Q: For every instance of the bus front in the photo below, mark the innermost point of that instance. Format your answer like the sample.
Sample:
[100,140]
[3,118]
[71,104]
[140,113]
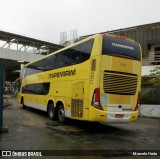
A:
[120,80]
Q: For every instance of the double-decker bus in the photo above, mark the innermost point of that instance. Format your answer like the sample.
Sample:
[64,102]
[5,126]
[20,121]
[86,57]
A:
[96,79]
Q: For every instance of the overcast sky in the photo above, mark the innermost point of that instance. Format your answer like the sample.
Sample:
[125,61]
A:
[45,19]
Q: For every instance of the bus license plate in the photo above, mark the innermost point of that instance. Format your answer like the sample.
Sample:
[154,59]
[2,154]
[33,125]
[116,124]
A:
[119,115]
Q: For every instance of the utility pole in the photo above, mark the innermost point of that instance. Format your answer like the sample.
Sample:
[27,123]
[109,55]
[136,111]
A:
[2,129]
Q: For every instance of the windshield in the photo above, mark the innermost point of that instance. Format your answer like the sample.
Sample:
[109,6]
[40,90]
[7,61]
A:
[121,47]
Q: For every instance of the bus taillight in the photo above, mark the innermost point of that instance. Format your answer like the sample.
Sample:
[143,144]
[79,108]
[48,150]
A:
[138,102]
[121,37]
[96,99]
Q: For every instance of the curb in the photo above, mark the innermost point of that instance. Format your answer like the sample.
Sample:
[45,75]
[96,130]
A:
[7,105]
[6,100]
[154,117]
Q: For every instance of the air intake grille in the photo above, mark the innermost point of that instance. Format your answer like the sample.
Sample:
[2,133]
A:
[77,108]
[119,83]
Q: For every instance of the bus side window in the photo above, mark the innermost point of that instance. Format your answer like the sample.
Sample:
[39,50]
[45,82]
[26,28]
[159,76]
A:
[51,62]
[59,62]
[73,55]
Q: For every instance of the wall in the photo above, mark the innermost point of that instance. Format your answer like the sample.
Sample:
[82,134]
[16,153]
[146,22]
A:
[150,110]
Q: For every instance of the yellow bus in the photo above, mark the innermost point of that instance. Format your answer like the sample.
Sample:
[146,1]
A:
[96,79]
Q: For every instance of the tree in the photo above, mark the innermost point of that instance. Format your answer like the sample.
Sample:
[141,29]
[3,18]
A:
[150,93]
[153,78]
[155,75]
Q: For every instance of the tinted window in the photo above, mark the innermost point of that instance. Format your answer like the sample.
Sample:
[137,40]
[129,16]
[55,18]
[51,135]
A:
[74,55]
[36,88]
[31,70]
[68,57]
[120,47]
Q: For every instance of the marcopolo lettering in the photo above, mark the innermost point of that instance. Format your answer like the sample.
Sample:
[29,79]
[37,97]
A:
[62,74]
[123,46]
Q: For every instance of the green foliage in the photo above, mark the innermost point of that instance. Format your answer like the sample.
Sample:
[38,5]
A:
[153,78]
[155,72]
[146,80]
[149,96]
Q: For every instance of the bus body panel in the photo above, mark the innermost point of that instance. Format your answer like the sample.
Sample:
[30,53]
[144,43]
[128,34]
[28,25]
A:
[74,86]
[121,74]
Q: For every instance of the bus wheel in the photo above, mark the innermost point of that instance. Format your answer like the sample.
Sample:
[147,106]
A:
[23,105]
[61,114]
[51,111]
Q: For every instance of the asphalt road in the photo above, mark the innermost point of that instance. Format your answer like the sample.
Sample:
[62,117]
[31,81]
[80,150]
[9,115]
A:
[32,130]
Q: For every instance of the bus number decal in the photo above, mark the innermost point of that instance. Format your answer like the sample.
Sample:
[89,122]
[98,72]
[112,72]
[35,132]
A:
[92,77]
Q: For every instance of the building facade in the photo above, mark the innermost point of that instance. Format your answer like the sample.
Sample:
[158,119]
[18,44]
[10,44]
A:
[148,36]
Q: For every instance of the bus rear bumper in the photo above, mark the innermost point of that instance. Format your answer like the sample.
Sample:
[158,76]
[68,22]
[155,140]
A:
[122,117]
[114,117]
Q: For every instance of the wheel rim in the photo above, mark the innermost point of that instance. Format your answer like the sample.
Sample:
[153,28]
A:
[51,113]
[61,114]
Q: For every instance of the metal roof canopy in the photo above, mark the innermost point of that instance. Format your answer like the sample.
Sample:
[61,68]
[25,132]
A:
[154,25]
[12,44]
[146,35]
[39,46]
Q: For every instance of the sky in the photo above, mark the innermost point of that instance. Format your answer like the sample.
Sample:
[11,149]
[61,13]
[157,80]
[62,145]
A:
[45,19]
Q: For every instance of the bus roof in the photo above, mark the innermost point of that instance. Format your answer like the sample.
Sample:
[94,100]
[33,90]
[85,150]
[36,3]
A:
[79,42]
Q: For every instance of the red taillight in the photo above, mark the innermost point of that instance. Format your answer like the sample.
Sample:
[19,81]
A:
[138,102]
[122,37]
[96,102]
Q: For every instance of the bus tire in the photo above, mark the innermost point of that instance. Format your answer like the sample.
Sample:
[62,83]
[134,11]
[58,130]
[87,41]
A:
[23,105]
[51,111]
[61,114]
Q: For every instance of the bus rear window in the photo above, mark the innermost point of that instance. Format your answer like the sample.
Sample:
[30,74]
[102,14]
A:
[121,47]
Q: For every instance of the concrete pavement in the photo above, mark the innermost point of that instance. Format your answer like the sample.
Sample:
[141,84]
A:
[32,130]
